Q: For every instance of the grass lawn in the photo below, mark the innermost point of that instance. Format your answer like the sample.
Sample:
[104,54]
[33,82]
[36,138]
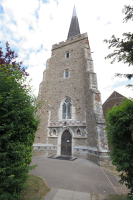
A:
[113,170]
[36,189]
[116,197]
[122,192]
[109,197]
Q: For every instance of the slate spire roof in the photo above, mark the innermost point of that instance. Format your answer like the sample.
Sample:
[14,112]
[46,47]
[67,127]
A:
[74,26]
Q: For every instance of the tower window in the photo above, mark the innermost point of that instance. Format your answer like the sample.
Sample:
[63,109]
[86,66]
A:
[66,73]
[67,55]
[64,111]
[67,110]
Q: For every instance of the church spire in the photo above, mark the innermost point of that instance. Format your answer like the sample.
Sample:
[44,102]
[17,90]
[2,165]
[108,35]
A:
[74,26]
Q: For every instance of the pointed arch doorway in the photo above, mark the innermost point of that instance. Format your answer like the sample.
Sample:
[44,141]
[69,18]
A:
[66,143]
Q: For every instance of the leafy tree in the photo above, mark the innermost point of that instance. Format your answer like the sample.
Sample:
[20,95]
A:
[18,125]
[119,119]
[123,47]
[9,58]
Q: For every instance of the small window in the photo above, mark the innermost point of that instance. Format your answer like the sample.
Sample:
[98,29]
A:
[66,73]
[67,55]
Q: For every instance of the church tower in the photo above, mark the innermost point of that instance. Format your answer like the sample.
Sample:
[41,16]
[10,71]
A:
[72,121]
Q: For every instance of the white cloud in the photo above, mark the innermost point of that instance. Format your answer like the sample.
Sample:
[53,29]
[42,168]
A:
[36,76]
[100,19]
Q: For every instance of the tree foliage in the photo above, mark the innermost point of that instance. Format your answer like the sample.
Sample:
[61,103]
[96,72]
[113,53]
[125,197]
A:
[9,58]
[119,119]
[123,47]
[128,10]
[18,125]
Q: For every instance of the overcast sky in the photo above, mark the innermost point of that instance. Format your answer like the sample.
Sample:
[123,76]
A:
[32,26]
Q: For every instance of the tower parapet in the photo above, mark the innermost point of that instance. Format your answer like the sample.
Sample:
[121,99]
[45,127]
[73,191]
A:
[70,41]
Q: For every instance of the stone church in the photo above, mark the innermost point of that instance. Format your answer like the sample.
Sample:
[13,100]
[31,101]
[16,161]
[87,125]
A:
[72,121]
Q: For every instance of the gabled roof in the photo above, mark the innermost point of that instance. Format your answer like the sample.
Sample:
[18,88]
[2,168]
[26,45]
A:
[113,96]
[74,26]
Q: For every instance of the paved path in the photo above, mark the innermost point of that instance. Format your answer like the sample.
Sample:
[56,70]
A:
[79,175]
[60,194]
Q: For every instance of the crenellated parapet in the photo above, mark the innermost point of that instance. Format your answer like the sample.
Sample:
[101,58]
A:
[69,41]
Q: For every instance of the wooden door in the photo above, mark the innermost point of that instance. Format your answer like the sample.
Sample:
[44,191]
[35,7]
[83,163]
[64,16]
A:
[66,141]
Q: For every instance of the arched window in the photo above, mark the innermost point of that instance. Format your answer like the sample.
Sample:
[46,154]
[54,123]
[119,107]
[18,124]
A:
[67,109]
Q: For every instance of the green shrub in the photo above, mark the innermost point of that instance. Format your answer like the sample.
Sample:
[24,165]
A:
[18,125]
[119,119]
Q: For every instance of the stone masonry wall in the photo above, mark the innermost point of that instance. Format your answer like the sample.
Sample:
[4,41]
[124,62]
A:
[54,87]
[81,88]
[94,114]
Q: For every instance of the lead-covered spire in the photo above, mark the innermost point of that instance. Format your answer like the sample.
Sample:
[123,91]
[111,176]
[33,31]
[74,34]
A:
[74,12]
[74,26]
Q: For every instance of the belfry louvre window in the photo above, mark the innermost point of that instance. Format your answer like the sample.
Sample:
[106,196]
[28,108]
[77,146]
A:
[67,110]
[67,55]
